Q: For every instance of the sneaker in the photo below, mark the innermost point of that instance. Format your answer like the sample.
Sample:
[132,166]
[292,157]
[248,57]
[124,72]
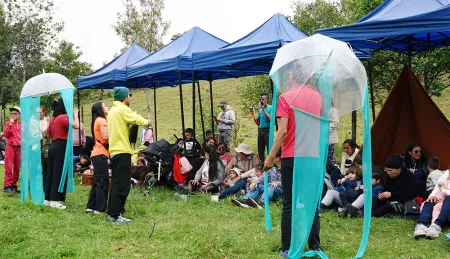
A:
[47,203]
[342,213]
[240,203]
[254,204]
[57,205]
[89,210]
[316,249]
[420,231]
[8,189]
[434,231]
[97,212]
[2,162]
[118,219]
[353,212]
[215,198]
[15,189]
[179,197]
[283,254]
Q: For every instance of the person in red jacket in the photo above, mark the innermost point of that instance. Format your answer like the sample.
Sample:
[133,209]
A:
[12,153]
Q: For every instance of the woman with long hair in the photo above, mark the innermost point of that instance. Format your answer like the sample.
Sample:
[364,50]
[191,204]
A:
[98,197]
[58,130]
[210,176]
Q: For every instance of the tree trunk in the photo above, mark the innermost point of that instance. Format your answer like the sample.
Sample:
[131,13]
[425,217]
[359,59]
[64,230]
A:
[147,95]
[100,95]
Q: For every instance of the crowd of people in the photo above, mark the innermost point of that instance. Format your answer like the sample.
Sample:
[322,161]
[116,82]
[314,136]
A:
[411,185]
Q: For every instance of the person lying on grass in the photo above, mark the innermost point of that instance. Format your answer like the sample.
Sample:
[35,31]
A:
[274,191]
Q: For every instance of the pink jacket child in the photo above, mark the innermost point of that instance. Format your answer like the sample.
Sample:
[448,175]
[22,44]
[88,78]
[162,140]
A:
[441,190]
[12,153]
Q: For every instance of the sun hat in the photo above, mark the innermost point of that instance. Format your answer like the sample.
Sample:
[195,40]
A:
[15,108]
[244,148]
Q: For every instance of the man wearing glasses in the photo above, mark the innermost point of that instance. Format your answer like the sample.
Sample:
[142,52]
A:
[400,187]
[12,154]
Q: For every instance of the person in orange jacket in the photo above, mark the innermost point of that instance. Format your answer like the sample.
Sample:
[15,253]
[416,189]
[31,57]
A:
[12,153]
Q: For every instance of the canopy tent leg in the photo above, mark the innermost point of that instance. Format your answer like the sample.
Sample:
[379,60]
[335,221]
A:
[271,89]
[212,104]
[372,98]
[154,110]
[193,104]
[354,125]
[201,110]
[79,130]
[182,109]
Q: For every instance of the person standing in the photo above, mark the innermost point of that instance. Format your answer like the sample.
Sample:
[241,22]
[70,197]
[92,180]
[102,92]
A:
[98,196]
[120,118]
[225,122]
[308,100]
[79,144]
[263,122]
[12,153]
[45,141]
[58,130]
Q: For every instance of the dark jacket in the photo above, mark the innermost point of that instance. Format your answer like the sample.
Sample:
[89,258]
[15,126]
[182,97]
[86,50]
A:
[192,148]
[376,190]
[403,188]
[349,194]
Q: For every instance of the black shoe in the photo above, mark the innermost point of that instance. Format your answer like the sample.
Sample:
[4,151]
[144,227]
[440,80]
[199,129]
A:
[342,213]
[16,190]
[254,204]
[8,189]
[240,203]
[315,248]
[354,212]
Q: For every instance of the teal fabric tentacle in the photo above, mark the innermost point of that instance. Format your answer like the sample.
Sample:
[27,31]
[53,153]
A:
[367,174]
[267,218]
[67,174]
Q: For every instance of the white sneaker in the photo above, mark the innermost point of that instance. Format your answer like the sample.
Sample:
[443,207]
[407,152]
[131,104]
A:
[46,203]
[57,205]
[98,212]
[215,198]
[89,210]
[179,197]
[420,231]
[2,162]
[434,231]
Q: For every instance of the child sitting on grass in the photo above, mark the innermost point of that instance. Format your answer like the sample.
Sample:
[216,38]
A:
[274,191]
[141,156]
[350,188]
[233,174]
[83,165]
[434,172]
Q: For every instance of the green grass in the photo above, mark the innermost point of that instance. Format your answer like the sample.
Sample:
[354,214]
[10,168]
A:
[196,228]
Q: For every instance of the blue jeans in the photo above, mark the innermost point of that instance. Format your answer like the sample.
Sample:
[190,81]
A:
[273,193]
[427,213]
[238,186]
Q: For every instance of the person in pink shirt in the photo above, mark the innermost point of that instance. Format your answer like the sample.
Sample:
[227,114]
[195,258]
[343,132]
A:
[12,153]
[224,155]
[300,97]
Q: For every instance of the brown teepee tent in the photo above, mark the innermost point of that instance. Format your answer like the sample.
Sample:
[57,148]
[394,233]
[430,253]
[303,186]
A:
[410,115]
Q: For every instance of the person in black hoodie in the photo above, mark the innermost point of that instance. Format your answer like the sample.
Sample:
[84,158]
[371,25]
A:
[399,188]
[416,162]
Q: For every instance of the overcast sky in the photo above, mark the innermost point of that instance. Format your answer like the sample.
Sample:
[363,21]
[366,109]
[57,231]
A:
[88,23]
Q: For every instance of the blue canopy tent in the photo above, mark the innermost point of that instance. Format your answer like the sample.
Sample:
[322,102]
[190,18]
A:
[172,64]
[406,26]
[251,55]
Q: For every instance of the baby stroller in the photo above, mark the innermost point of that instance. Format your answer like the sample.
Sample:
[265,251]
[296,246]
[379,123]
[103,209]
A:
[160,156]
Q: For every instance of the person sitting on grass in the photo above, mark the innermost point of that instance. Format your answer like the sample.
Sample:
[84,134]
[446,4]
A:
[84,164]
[229,181]
[354,209]
[428,215]
[141,156]
[350,188]
[209,177]
[433,173]
[399,187]
[274,191]
[224,154]
[210,137]
[140,162]
[241,182]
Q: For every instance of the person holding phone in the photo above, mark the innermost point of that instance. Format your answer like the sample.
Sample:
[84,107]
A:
[263,122]
[225,122]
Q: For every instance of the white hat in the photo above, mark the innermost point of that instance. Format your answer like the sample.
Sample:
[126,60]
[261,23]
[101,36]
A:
[15,108]
[236,170]
[244,148]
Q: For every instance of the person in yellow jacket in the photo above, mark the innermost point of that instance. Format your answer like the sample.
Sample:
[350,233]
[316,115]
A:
[120,118]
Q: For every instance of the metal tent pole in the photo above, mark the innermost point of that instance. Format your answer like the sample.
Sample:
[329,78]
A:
[212,104]
[79,130]
[372,98]
[154,110]
[201,110]
[182,109]
[193,104]
[354,125]
[273,93]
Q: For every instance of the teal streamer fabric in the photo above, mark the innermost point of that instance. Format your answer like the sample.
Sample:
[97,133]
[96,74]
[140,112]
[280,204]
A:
[267,218]
[367,174]
[67,173]
[30,164]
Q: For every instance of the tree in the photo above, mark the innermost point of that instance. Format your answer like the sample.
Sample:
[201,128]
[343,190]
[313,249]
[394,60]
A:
[143,25]
[65,61]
